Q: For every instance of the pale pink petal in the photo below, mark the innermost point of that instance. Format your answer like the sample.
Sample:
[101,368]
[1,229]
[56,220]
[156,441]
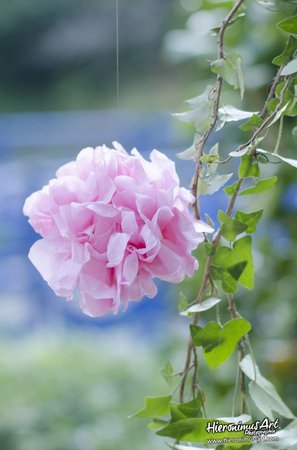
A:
[94,307]
[116,248]
[131,266]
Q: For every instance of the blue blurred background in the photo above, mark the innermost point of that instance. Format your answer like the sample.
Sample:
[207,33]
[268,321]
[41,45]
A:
[68,381]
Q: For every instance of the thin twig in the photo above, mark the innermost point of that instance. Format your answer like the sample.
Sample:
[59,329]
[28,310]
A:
[271,91]
[242,382]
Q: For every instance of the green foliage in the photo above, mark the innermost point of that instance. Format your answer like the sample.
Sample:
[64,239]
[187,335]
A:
[288,25]
[254,121]
[213,183]
[167,372]
[290,161]
[290,68]
[201,307]
[288,53]
[229,113]
[230,228]
[219,342]
[232,188]
[260,186]
[289,104]
[226,260]
[154,407]
[182,302]
[200,113]
[230,69]
[248,166]
[263,392]
[194,430]
[250,219]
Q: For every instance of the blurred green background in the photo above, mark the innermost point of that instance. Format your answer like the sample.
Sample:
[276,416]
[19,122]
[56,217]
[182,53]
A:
[68,382]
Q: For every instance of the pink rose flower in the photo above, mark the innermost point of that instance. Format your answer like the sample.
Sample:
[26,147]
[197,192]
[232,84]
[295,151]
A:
[110,223]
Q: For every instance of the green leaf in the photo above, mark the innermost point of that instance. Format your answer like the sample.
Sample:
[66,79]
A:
[287,6]
[250,219]
[288,52]
[290,68]
[261,186]
[190,154]
[236,270]
[294,134]
[230,228]
[229,113]
[229,284]
[232,188]
[263,392]
[289,104]
[241,252]
[167,372]
[200,116]
[190,409]
[213,183]
[230,69]
[182,302]
[219,342]
[248,166]
[201,307]
[154,407]
[290,161]
[194,430]
[254,121]
[156,424]
[289,25]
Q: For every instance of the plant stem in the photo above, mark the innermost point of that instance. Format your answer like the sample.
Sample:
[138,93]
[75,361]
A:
[279,135]
[234,314]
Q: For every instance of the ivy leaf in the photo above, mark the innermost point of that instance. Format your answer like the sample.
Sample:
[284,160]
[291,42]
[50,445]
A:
[229,113]
[289,25]
[190,409]
[254,121]
[261,186]
[250,219]
[200,115]
[289,99]
[278,115]
[232,188]
[290,68]
[182,302]
[195,430]
[292,162]
[190,154]
[219,342]
[248,167]
[278,5]
[229,284]
[154,407]
[167,372]
[213,183]
[201,307]
[230,228]
[225,258]
[230,69]
[288,52]
[156,424]
[263,392]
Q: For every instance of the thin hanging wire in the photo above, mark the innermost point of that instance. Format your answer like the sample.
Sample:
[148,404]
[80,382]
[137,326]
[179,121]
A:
[117,55]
